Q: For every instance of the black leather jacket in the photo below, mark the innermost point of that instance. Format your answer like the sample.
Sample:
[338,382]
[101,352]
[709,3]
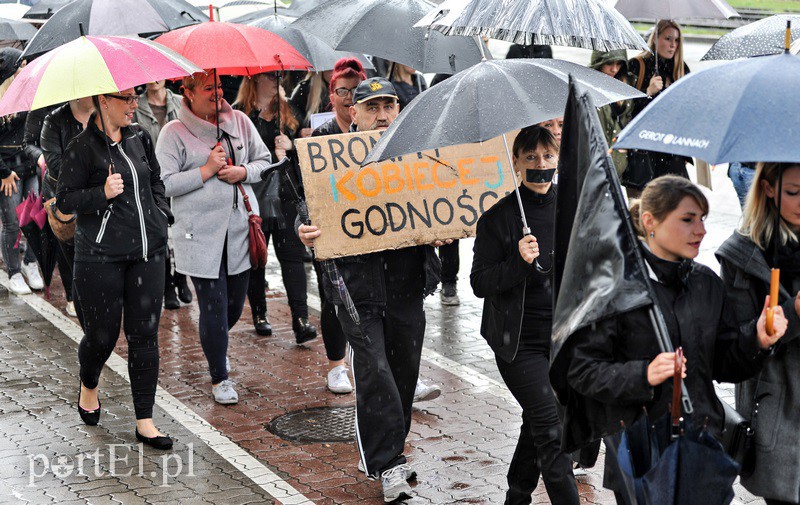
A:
[58,129]
[133,225]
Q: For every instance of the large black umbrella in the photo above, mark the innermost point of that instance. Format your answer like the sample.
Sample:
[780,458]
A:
[118,17]
[385,28]
[315,50]
[44,9]
[761,38]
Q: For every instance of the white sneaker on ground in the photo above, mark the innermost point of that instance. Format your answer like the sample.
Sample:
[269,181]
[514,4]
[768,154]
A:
[18,286]
[338,381]
[31,273]
[224,393]
[424,392]
[394,484]
[578,470]
[227,365]
[70,310]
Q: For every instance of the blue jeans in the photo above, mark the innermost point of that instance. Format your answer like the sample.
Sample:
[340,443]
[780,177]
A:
[742,178]
[8,215]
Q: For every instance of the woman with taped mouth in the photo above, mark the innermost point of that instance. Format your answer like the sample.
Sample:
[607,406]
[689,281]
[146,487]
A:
[517,315]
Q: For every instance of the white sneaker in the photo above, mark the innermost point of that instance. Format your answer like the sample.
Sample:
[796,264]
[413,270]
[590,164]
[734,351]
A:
[224,393]
[338,381]
[424,392]
[18,286]
[409,473]
[395,486]
[70,310]
[31,273]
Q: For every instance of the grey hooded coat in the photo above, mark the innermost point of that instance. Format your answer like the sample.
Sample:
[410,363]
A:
[777,426]
[211,212]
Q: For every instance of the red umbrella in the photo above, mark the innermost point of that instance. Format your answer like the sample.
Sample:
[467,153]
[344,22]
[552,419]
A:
[234,49]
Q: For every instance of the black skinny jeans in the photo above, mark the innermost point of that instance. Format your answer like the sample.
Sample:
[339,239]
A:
[221,302]
[332,334]
[539,446]
[107,291]
[289,251]
[448,253]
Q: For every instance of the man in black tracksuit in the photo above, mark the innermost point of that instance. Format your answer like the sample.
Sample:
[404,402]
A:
[387,345]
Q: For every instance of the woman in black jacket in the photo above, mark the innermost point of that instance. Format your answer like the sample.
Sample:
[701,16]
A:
[518,312]
[771,399]
[120,241]
[642,72]
[615,366]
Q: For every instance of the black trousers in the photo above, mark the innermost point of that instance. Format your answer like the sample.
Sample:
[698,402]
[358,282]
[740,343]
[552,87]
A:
[106,292]
[289,251]
[386,351]
[332,334]
[221,302]
[66,268]
[448,253]
[539,447]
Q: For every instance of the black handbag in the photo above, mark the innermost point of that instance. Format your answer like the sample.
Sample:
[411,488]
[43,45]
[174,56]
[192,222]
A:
[738,438]
[639,170]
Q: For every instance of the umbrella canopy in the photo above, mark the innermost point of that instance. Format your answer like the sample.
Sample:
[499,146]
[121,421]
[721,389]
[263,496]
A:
[490,99]
[234,49]
[689,120]
[299,7]
[90,66]
[315,50]
[118,17]
[762,38]
[675,9]
[590,24]
[15,30]
[44,9]
[385,28]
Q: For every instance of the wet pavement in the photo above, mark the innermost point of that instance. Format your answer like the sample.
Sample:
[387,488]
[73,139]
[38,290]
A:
[460,444]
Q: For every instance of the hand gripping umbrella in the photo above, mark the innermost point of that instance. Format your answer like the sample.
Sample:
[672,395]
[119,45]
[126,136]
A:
[465,108]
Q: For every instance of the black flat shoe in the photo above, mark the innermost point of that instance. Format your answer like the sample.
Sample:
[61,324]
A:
[262,325]
[162,443]
[303,330]
[89,417]
[184,293]
[171,299]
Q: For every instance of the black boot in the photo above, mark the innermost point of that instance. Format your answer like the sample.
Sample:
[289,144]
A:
[261,322]
[303,330]
[184,293]
[170,296]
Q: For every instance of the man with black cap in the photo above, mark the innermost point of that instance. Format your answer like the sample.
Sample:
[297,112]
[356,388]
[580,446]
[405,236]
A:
[387,289]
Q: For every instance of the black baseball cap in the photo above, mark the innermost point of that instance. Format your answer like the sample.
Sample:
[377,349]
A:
[376,87]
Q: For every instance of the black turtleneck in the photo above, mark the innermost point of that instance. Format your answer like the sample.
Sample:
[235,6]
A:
[538,312]
[672,277]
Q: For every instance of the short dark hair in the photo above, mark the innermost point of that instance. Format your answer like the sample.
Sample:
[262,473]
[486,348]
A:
[531,137]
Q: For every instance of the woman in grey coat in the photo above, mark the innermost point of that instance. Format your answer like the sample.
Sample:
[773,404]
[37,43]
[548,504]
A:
[746,258]
[211,228]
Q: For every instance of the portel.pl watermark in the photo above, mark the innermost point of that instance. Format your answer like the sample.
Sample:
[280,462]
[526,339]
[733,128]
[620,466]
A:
[115,460]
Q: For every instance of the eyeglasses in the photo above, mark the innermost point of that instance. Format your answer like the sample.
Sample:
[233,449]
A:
[128,99]
[272,76]
[343,92]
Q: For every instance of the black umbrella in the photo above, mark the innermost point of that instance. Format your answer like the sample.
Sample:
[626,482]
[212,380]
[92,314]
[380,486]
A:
[11,30]
[120,17]
[315,50]
[386,29]
[44,9]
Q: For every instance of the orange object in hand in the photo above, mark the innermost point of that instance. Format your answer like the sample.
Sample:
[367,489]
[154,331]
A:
[774,288]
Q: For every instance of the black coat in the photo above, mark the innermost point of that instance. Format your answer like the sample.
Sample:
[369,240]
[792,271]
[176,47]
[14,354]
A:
[135,226]
[499,275]
[12,151]
[58,130]
[607,373]
[329,127]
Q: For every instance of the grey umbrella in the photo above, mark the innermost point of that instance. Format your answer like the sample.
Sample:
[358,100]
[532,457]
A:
[12,30]
[590,24]
[315,50]
[490,99]
[384,28]
[761,38]
[117,17]
[675,9]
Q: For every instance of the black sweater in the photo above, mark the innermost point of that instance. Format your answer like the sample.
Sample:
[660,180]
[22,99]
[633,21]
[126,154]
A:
[538,309]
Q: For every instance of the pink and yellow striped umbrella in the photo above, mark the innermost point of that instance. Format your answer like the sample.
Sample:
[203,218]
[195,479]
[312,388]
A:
[91,66]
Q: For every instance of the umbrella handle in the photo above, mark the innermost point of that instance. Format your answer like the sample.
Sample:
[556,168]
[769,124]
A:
[677,381]
[774,288]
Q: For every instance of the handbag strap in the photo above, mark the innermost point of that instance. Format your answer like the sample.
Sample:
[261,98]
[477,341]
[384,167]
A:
[245,198]
[640,80]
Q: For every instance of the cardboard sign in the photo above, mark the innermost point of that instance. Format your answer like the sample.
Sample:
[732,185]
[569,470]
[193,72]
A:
[411,200]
